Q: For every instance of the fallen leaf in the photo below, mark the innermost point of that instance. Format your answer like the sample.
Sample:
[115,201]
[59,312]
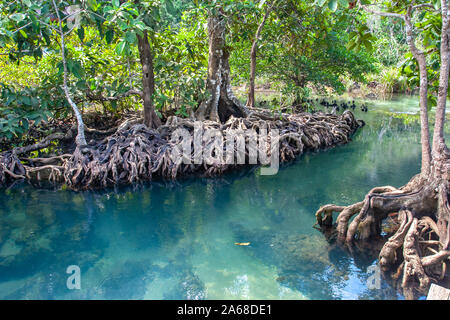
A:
[242,243]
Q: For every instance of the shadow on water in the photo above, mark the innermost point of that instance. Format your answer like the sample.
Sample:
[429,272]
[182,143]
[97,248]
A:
[177,240]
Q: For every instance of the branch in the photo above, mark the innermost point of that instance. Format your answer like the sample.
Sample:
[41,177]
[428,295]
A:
[80,139]
[424,5]
[51,27]
[22,27]
[69,31]
[130,92]
[261,25]
[408,24]
[72,14]
[381,13]
[39,145]
[410,37]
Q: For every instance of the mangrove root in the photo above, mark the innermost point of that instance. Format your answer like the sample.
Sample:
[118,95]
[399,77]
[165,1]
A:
[418,250]
[135,153]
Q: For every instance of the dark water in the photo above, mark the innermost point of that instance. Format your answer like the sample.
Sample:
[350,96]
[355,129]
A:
[178,241]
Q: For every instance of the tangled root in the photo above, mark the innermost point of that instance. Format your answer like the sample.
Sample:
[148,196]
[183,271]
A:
[135,153]
[10,168]
[418,252]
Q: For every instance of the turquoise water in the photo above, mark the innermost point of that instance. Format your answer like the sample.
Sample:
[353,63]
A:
[177,241]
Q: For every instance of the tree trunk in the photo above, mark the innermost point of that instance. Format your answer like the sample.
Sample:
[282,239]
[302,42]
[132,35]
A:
[439,147]
[221,104]
[151,119]
[423,94]
[251,89]
[80,139]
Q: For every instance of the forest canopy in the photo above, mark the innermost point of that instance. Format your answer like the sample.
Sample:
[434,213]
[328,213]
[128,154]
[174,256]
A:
[303,47]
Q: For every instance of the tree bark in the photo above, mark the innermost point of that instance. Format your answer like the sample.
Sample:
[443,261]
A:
[439,146]
[423,96]
[221,104]
[423,92]
[251,88]
[151,119]
[80,139]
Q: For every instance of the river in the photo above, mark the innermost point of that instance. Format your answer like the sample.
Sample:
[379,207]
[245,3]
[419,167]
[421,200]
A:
[177,240]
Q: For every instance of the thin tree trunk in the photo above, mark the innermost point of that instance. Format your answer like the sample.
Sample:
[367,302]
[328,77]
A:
[423,94]
[421,60]
[439,147]
[221,103]
[80,139]
[251,89]
[151,119]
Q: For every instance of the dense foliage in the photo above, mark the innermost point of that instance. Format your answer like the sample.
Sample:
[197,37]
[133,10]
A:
[304,48]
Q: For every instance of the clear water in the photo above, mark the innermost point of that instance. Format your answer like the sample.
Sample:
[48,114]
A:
[177,241]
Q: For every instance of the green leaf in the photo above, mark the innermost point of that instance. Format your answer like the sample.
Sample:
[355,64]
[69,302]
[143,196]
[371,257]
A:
[169,7]
[81,85]
[109,36]
[120,47]
[34,101]
[80,33]
[46,37]
[69,65]
[116,3]
[92,4]
[18,17]
[130,37]
[332,5]
[26,100]
[437,4]
[77,69]
[23,33]
[432,102]
[351,45]
[368,45]
[139,25]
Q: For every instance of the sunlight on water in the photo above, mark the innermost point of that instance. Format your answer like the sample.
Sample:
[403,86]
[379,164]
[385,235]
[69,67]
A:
[177,241]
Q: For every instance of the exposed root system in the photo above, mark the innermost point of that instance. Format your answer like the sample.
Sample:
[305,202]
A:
[135,153]
[417,251]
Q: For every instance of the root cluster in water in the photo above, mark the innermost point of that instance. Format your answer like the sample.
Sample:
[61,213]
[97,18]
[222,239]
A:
[417,252]
[135,153]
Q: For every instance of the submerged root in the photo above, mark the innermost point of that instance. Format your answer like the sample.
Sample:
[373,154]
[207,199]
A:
[417,251]
[135,153]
